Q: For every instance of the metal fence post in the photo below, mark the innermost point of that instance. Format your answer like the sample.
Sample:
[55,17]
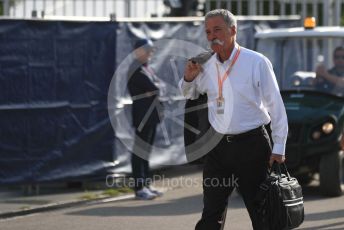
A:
[271,7]
[315,9]
[253,7]
[338,12]
[6,9]
[326,13]
[127,8]
[240,7]
[304,10]
[282,8]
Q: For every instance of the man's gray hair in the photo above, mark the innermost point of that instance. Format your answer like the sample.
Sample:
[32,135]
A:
[227,16]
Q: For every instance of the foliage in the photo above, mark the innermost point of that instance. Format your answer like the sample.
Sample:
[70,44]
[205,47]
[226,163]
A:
[117,191]
[12,3]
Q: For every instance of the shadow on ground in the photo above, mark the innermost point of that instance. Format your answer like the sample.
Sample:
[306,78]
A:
[182,206]
[174,207]
[326,226]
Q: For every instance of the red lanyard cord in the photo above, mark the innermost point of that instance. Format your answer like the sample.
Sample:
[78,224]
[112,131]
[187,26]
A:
[226,74]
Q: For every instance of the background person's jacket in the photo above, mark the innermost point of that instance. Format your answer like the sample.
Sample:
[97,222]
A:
[144,93]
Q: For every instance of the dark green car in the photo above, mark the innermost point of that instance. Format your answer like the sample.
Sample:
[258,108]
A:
[315,107]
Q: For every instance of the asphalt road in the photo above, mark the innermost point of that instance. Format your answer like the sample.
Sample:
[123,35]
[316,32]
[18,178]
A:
[178,209]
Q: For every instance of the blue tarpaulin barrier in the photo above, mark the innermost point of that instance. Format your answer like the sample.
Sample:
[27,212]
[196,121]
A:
[54,78]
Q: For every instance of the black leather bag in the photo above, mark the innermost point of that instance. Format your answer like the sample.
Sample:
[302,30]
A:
[279,200]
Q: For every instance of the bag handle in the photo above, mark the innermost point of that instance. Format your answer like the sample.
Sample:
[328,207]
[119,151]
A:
[284,166]
[275,168]
[279,168]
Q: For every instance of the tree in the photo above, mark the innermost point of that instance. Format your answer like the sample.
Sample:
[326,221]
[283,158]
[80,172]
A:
[1,8]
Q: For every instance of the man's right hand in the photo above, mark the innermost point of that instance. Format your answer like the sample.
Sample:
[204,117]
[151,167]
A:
[191,71]
[321,71]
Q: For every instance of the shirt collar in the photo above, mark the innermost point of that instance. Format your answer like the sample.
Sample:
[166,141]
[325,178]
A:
[235,49]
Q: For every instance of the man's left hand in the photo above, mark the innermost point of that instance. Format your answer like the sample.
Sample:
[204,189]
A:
[276,157]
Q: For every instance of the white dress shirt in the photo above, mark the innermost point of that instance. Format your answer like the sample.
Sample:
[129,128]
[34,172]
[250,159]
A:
[251,96]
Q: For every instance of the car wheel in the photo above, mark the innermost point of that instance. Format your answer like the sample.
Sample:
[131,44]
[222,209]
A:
[332,174]
[304,179]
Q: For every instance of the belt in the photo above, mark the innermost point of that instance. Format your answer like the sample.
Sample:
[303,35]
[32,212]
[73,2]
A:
[250,133]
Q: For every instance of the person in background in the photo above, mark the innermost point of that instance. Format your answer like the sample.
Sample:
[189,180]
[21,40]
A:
[243,97]
[333,79]
[142,86]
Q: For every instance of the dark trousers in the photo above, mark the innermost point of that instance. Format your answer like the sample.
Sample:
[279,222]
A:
[139,158]
[239,161]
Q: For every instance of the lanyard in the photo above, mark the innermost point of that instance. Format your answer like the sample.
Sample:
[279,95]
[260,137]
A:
[226,74]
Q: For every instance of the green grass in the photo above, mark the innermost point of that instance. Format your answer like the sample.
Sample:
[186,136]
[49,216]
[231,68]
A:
[116,191]
[89,196]
[112,192]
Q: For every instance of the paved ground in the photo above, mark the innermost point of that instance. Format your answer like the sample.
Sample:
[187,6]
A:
[178,209]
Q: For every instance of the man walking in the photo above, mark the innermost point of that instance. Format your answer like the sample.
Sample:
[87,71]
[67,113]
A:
[243,97]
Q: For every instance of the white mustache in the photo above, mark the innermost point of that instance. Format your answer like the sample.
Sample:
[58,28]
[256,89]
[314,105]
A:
[217,42]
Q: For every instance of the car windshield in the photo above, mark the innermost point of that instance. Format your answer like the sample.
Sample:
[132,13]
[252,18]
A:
[296,59]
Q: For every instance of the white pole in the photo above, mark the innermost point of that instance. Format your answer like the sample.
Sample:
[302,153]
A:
[253,7]
[6,7]
[338,9]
